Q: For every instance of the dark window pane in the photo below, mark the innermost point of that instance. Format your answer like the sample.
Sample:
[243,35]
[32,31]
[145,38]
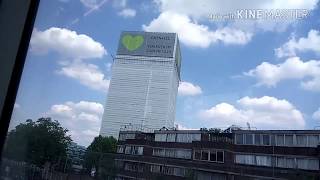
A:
[249,139]
[280,140]
[266,139]
[205,155]
[257,139]
[220,156]
[288,140]
[239,138]
[197,154]
[301,140]
[213,156]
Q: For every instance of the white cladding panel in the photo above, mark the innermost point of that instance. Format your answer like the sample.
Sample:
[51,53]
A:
[142,92]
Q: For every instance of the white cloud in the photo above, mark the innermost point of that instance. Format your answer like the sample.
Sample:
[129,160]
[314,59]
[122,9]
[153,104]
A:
[201,8]
[316,115]
[83,119]
[293,68]
[74,49]
[303,44]
[193,34]
[189,18]
[263,113]
[87,74]
[188,89]
[67,43]
[127,13]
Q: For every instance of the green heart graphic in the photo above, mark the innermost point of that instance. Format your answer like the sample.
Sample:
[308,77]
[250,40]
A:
[132,43]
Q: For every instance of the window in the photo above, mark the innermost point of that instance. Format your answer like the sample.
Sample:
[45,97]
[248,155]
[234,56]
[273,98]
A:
[135,150]
[313,140]
[263,160]
[258,160]
[280,140]
[120,149]
[257,139]
[155,168]
[220,156]
[125,136]
[288,140]
[139,150]
[239,138]
[273,140]
[245,159]
[205,155]
[128,150]
[285,162]
[213,155]
[160,137]
[249,139]
[179,171]
[281,162]
[209,155]
[265,139]
[171,137]
[311,164]
[136,167]
[184,154]
[188,138]
[183,138]
[170,153]
[197,154]
[300,163]
[290,162]
[167,170]
[301,140]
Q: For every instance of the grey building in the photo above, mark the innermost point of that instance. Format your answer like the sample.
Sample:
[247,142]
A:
[144,83]
[219,155]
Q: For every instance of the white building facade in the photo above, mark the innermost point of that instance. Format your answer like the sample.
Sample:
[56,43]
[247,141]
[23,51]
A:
[144,83]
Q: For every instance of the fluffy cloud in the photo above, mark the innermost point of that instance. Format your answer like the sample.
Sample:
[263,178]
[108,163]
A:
[263,113]
[127,13]
[316,115]
[293,68]
[83,119]
[201,8]
[310,43]
[188,89]
[87,74]
[193,34]
[188,19]
[67,43]
[75,49]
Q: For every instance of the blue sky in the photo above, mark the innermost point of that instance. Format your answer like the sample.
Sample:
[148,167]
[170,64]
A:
[264,72]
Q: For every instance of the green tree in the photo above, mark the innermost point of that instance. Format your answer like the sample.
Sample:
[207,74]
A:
[37,142]
[99,155]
